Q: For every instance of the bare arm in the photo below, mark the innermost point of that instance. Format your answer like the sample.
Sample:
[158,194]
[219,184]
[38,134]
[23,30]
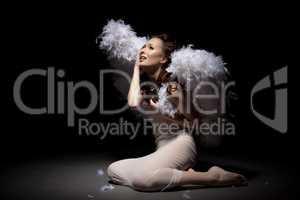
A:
[134,95]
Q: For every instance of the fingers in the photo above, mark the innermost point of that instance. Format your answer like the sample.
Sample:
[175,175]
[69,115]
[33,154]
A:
[137,59]
[137,63]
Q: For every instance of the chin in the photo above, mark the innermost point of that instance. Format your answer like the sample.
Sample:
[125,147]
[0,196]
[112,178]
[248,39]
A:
[144,64]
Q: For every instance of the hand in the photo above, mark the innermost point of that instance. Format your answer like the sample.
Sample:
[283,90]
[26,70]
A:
[174,88]
[153,105]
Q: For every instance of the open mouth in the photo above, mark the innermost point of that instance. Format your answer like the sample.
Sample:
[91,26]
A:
[143,58]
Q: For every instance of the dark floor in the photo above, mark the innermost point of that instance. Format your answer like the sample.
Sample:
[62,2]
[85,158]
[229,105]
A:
[78,176]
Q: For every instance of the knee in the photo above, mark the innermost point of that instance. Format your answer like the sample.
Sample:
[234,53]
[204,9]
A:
[144,183]
[110,170]
[113,171]
[137,181]
[149,181]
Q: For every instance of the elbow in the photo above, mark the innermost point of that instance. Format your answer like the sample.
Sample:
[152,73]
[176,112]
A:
[133,104]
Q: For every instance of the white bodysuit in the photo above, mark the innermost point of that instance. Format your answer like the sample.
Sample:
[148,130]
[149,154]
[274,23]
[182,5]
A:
[161,169]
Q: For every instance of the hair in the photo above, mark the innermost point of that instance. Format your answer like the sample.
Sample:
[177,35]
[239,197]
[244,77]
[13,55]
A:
[169,45]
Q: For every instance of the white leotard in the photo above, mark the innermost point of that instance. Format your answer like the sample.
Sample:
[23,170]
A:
[159,170]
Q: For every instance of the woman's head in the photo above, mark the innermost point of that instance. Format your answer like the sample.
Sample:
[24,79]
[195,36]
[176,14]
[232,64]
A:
[156,53]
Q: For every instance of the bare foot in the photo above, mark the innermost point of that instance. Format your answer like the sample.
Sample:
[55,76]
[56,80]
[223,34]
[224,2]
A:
[225,178]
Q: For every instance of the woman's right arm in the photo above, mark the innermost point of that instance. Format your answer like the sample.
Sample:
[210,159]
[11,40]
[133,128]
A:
[134,95]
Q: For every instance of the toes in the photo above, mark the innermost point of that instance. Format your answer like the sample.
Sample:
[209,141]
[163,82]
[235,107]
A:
[242,181]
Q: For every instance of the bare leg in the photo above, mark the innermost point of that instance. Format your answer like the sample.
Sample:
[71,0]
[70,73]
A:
[215,176]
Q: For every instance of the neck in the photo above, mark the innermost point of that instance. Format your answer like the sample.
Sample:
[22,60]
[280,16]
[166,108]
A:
[155,75]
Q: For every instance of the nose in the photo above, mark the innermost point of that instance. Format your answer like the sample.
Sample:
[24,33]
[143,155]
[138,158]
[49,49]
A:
[143,50]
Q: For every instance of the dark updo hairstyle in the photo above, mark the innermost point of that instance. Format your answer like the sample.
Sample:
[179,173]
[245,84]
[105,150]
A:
[169,45]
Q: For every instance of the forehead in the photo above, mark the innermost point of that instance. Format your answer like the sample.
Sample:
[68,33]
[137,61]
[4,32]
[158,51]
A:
[155,42]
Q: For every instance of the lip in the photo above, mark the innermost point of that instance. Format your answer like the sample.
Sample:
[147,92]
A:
[142,58]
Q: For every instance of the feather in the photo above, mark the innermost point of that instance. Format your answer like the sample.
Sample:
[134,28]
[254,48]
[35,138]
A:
[164,105]
[120,41]
[190,66]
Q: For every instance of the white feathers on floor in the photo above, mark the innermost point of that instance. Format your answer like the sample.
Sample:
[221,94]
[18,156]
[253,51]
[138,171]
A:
[100,172]
[107,187]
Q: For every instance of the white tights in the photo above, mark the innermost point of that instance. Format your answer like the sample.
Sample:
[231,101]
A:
[159,170]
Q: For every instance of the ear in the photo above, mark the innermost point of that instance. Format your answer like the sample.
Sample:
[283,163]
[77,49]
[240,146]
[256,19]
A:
[163,60]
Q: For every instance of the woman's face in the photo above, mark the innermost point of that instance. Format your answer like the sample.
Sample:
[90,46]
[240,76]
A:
[152,56]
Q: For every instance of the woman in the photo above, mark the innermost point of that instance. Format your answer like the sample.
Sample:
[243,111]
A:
[171,164]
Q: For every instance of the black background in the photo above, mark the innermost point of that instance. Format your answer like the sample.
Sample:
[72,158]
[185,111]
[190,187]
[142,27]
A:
[254,41]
